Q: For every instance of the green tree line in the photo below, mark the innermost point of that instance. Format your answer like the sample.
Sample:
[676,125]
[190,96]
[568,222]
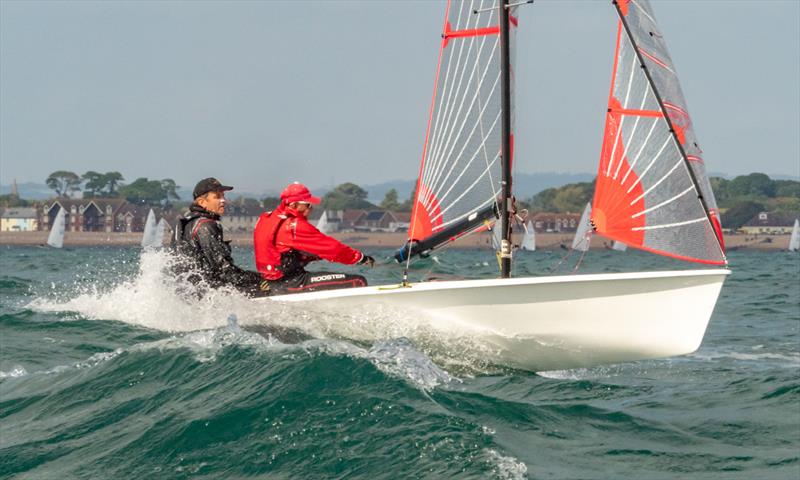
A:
[93,184]
[738,199]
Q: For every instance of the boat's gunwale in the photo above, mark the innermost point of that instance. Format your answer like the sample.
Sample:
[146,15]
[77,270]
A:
[493,282]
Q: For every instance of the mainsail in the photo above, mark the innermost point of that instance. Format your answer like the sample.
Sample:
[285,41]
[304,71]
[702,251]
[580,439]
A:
[583,234]
[794,240]
[56,237]
[652,189]
[460,179]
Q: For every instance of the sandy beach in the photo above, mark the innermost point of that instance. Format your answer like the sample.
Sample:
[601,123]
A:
[373,240]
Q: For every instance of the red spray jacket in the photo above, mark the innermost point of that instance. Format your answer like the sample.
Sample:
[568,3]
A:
[285,233]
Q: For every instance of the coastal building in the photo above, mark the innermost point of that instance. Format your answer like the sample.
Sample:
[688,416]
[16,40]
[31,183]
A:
[555,222]
[19,219]
[769,223]
[100,215]
[241,217]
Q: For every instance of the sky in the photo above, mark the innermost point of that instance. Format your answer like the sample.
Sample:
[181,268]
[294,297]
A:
[261,93]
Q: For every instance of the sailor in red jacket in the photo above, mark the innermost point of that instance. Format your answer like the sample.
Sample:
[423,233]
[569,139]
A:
[285,242]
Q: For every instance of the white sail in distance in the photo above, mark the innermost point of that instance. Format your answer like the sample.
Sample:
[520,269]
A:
[528,238]
[158,238]
[149,235]
[583,235]
[794,240]
[322,224]
[56,237]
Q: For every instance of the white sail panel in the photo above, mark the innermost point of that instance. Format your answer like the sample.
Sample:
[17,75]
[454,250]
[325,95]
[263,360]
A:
[583,235]
[322,224]
[56,237]
[461,164]
[158,238]
[528,238]
[646,195]
[794,240]
[148,237]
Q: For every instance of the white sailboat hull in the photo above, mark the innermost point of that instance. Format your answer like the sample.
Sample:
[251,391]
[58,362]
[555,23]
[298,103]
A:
[549,323]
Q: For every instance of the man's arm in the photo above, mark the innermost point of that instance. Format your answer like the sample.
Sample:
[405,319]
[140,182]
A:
[308,239]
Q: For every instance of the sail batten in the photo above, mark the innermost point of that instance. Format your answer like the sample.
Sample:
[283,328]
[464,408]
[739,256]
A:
[651,206]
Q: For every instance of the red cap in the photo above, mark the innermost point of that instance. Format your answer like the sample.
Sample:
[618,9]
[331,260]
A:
[297,192]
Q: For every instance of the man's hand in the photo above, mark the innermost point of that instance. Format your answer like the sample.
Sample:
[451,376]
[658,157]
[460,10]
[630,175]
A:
[367,260]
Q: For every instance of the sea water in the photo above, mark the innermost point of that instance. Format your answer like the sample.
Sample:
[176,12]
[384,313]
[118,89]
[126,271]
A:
[107,372]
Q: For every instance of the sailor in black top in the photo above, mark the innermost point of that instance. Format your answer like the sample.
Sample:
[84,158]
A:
[204,256]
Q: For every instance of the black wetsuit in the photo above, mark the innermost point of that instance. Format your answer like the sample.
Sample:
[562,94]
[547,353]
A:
[206,258]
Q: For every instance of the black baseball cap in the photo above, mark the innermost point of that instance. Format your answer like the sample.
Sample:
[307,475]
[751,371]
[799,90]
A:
[209,184]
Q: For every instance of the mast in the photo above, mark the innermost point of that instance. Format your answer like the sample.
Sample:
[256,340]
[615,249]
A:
[505,95]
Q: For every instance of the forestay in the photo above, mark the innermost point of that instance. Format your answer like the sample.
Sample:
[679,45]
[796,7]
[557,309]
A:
[652,189]
[460,176]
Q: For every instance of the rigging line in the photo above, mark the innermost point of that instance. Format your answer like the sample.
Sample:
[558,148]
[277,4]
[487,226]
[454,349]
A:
[467,165]
[692,176]
[446,153]
[633,131]
[641,176]
[446,91]
[665,202]
[669,225]
[453,89]
[437,178]
[641,149]
[677,164]
[622,117]
[467,190]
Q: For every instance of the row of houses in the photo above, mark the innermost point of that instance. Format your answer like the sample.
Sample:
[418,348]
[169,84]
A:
[118,215]
[81,215]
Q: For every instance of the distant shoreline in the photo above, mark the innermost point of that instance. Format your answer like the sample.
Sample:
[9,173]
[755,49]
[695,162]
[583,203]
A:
[544,241]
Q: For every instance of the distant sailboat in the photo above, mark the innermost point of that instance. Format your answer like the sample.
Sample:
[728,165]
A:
[583,235]
[794,241]
[322,224]
[161,228]
[528,238]
[149,236]
[619,246]
[56,238]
